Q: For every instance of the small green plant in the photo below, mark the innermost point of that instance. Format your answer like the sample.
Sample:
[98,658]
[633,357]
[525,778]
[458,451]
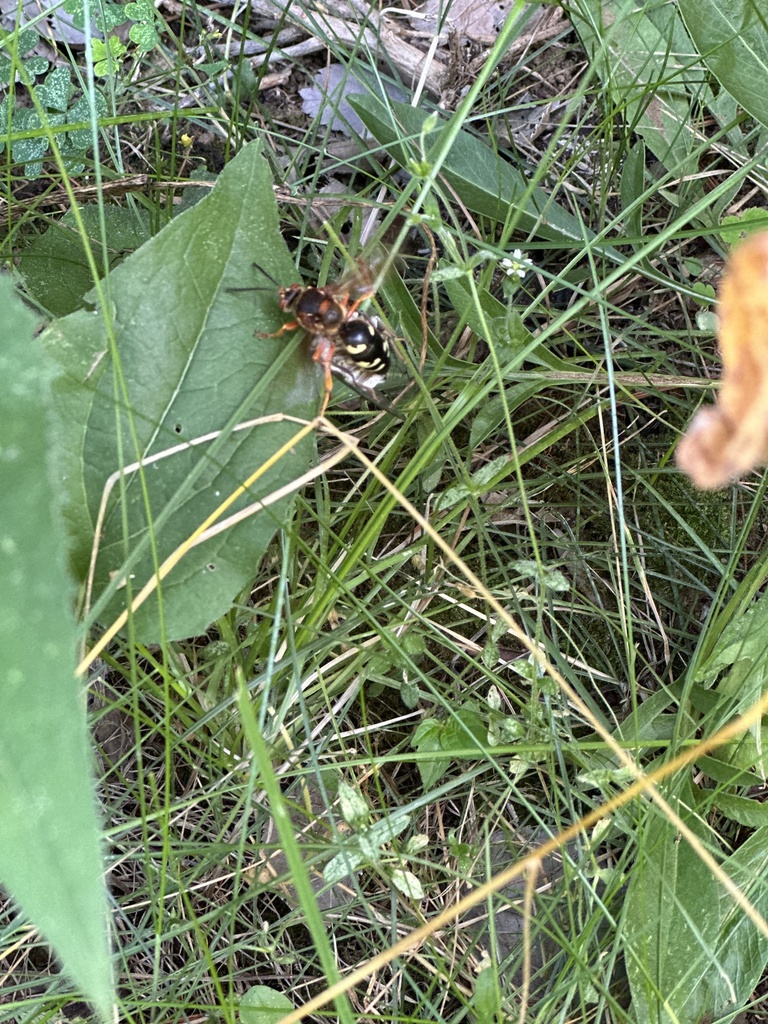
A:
[58,106]
[143,31]
[111,50]
[107,56]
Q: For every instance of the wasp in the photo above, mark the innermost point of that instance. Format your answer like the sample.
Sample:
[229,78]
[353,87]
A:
[344,341]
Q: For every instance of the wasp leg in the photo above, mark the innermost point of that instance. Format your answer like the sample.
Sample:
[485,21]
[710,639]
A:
[327,390]
[292,326]
[367,294]
[323,352]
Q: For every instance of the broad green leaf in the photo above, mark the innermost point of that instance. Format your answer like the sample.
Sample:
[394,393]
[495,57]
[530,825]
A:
[264,1005]
[732,38]
[355,809]
[645,60]
[343,864]
[742,647]
[30,150]
[49,834]
[20,43]
[54,93]
[107,57]
[408,884]
[750,813]
[54,264]
[80,140]
[426,740]
[363,847]
[190,365]
[544,577]
[486,998]
[725,773]
[14,45]
[383,831]
[738,668]
[743,950]
[672,923]
[735,227]
[748,751]
[143,33]
[651,721]
[715,956]
[463,731]
[106,15]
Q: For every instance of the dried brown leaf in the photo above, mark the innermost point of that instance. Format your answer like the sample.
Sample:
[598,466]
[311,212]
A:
[730,439]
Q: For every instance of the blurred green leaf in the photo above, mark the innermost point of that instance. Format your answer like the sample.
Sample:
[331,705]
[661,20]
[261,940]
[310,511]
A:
[106,15]
[355,809]
[50,860]
[631,188]
[735,227]
[15,46]
[408,884]
[426,739]
[742,810]
[264,1005]
[696,955]
[486,998]
[463,730]
[143,33]
[738,668]
[742,948]
[55,91]
[80,111]
[107,57]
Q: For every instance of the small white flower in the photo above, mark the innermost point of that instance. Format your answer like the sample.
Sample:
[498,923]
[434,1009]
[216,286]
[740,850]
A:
[518,265]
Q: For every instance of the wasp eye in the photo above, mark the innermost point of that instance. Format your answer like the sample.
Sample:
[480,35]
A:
[333,316]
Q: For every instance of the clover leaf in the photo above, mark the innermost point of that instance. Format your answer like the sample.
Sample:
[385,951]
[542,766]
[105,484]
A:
[143,33]
[107,57]
[107,16]
[24,41]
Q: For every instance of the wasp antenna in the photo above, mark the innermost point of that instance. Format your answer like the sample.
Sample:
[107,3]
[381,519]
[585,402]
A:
[256,287]
[266,273]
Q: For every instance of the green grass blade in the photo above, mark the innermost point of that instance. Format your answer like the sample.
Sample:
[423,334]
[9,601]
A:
[293,854]
[485,184]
